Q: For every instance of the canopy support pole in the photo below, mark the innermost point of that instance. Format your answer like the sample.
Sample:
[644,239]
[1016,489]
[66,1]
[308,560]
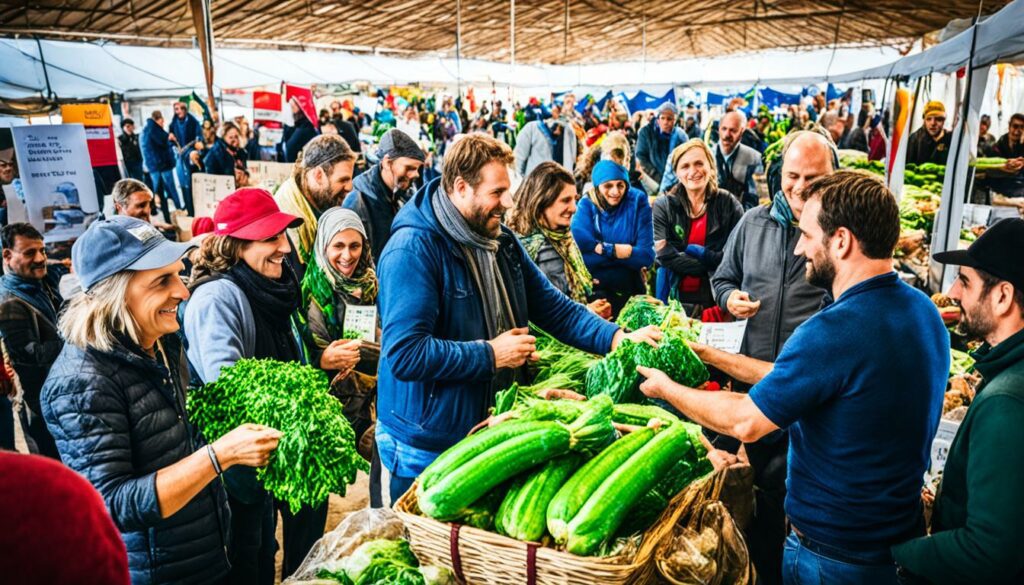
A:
[512,33]
[458,47]
[565,34]
[203,24]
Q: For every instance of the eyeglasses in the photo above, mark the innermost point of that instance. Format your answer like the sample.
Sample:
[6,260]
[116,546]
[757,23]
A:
[1016,126]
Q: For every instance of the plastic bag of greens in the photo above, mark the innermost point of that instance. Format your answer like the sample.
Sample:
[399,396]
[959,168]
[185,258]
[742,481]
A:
[369,546]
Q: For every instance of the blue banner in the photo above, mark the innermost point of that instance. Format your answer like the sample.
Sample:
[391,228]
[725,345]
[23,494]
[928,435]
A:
[773,99]
[645,101]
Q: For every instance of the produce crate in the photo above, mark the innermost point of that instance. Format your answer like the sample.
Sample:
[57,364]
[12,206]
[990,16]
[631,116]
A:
[481,557]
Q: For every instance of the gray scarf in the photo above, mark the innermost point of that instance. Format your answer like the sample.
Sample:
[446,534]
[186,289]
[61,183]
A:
[481,255]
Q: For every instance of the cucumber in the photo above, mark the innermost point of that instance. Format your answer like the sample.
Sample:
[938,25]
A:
[640,414]
[593,429]
[573,495]
[462,486]
[522,514]
[472,446]
[606,508]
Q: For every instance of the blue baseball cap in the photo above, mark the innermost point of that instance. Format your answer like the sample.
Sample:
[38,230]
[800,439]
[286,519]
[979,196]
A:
[121,243]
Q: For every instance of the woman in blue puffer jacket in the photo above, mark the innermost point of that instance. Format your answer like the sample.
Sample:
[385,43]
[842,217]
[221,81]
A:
[115,404]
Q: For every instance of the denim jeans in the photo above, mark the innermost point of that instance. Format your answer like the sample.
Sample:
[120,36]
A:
[803,566]
[404,462]
[163,185]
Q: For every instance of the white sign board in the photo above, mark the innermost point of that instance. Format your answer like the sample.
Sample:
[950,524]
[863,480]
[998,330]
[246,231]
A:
[16,210]
[209,190]
[727,337]
[940,445]
[267,174]
[362,320]
[57,180]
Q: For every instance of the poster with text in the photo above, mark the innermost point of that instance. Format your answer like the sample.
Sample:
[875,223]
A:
[209,190]
[57,179]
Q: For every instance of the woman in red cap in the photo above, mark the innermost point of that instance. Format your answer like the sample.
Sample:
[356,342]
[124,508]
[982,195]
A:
[244,303]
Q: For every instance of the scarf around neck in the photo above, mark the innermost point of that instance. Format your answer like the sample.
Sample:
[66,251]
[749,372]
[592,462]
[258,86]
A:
[273,304]
[581,283]
[481,255]
[35,293]
[781,212]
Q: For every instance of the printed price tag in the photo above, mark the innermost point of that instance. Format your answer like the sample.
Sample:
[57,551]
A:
[940,445]
[363,320]
[724,336]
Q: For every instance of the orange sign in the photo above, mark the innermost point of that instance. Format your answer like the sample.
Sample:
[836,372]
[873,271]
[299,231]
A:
[99,130]
[86,114]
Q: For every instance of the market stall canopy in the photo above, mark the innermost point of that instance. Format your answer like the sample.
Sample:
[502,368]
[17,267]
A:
[571,31]
[997,38]
[82,70]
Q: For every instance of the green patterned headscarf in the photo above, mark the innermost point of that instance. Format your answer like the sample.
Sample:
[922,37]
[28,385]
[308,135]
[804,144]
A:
[581,283]
[323,281]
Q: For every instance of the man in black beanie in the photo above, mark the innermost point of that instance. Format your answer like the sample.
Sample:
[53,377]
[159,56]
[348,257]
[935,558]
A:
[380,192]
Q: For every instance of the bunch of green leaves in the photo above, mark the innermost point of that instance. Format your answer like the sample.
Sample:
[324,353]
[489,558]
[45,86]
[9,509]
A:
[639,312]
[559,364]
[617,377]
[316,455]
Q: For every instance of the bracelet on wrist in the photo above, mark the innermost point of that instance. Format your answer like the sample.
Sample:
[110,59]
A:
[213,459]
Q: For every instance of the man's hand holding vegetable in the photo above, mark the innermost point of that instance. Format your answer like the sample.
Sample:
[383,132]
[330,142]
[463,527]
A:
[728,413]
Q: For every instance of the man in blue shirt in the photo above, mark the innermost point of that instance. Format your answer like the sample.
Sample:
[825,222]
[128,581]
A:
[859,386]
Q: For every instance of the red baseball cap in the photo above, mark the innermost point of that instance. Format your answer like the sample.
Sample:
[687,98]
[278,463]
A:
[251,214]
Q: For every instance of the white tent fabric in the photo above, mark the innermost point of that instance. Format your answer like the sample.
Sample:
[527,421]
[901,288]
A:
[1000,37]
[83,70]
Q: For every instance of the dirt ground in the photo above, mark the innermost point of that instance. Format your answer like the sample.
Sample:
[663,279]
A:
[357,498]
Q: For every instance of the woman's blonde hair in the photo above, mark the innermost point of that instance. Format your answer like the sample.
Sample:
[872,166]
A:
[216,255]
[697,143]
[95,318]
[615,147]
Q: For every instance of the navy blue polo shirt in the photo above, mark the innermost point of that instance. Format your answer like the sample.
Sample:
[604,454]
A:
[860,386]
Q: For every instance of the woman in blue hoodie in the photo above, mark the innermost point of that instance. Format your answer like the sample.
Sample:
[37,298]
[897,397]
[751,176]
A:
[615,232]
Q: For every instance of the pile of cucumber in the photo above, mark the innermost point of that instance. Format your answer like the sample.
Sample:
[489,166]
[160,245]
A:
[560,474]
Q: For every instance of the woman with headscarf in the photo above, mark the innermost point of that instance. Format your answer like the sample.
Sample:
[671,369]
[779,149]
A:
[340,277]
[691,225]
[545,204]
[613,229]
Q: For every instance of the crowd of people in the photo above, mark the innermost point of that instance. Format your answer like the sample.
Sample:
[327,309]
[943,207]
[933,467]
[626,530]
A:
[835,394]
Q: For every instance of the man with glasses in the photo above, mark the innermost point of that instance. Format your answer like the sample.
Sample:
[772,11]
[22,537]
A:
[930,142]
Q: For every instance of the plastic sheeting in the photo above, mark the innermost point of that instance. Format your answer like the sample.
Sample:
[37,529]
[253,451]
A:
[1000,38]
[83,70]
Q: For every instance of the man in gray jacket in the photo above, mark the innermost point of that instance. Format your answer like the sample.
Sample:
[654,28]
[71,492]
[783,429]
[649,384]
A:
[736,162]
[761,279]
[543,140]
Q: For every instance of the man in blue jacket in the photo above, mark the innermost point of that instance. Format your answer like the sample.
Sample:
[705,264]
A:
[457,291]
[158,155]
[184,128]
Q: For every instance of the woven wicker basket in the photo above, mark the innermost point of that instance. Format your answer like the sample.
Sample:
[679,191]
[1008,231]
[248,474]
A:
[481,557]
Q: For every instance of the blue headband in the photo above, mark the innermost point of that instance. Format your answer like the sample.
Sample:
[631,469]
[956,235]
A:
[607,170]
